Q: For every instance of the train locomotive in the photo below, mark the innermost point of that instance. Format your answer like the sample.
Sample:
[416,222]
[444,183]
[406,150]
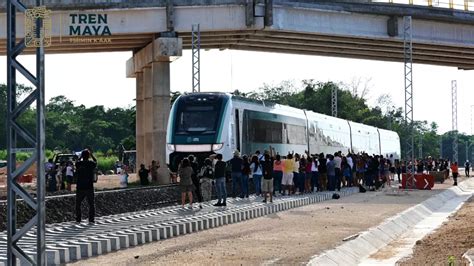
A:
[207,123]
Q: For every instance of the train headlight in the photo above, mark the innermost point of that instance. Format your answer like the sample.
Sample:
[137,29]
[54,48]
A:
[170,147]
[216,147]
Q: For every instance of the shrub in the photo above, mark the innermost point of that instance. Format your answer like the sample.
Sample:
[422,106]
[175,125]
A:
[106,163]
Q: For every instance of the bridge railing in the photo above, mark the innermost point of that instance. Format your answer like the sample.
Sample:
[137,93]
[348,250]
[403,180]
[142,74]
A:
[467,5]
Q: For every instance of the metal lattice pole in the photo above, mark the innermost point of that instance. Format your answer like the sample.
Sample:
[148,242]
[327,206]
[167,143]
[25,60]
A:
[196,54]
[408,63]
[441,146]
[35,142]
[454,102]
[467,149]
[334,101]
[420,147]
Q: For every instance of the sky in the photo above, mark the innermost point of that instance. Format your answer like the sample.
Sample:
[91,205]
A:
[99,79]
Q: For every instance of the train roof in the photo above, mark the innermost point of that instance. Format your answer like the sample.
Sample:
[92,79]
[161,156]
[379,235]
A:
[269,104]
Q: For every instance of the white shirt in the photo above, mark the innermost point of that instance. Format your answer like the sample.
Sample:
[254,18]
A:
[314,167]
[259,169]
[350,162]
[69,171]
[337,162]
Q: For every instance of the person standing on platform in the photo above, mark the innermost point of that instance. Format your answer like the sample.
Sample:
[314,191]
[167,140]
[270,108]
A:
[455,170]
[219,174]
[322,169]
[206,176]
[185,172]
[331,168]
[246,172]
[287,182]
[143,174]
[277,175]
[236,173]
[195,178]
[314,174]
[267,183]
[85,184]
[467,166]
[154,171]
[257,172]
[338,170]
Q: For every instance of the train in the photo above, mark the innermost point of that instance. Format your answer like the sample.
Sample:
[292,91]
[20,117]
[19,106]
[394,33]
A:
[207,123]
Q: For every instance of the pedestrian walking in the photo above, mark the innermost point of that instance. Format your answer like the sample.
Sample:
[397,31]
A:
[85,184]
[455,170]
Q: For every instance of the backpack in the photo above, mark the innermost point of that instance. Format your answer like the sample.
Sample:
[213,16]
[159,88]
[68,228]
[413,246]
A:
[208,173]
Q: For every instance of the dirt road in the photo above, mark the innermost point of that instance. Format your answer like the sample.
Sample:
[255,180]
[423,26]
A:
[449,242]
[290,237]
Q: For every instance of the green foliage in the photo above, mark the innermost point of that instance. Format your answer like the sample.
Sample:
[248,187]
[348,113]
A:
[105,164]
[71,127]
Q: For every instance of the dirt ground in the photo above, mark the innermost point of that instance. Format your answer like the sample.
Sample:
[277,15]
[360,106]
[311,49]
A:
[453,238]
[290,237]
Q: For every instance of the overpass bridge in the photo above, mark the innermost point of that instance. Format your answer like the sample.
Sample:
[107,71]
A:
[345,28]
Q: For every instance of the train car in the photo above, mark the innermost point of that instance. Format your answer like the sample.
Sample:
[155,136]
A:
[207,123]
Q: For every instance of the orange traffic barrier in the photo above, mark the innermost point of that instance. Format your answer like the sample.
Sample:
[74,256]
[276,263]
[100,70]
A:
[422,181]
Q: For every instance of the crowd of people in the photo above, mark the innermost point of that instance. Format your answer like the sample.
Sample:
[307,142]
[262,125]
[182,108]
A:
[275,175]
[270,173]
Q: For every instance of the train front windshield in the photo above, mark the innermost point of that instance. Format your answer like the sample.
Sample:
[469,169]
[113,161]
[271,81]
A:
[196,127]
[197,119]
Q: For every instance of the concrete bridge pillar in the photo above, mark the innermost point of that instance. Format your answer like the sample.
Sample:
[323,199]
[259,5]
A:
[154,61]
[140,125]
[147,114]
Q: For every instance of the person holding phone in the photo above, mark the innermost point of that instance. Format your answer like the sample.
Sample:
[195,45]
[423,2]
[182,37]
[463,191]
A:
[85,169]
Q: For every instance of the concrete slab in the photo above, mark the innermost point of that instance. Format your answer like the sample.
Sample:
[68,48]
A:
[409,225]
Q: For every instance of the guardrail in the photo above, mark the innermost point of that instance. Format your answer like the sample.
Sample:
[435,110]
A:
[467,5]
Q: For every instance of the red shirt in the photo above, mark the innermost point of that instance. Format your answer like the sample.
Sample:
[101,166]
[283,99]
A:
[454,168]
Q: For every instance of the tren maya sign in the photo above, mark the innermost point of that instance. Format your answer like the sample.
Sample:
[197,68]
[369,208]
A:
[86,28]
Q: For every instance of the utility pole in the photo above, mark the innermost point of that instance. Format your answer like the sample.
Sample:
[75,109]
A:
[196,55]
[408,66]
[334,101]
[454,102]
[441,146]
[420,147]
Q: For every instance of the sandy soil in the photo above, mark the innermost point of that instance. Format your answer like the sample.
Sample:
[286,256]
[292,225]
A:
[290,237]
[454,238]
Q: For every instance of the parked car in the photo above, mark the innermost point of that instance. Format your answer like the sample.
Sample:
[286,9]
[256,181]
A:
[3,164]
[59,158]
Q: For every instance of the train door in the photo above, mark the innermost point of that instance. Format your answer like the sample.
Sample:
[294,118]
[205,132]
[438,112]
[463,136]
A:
[237,129]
